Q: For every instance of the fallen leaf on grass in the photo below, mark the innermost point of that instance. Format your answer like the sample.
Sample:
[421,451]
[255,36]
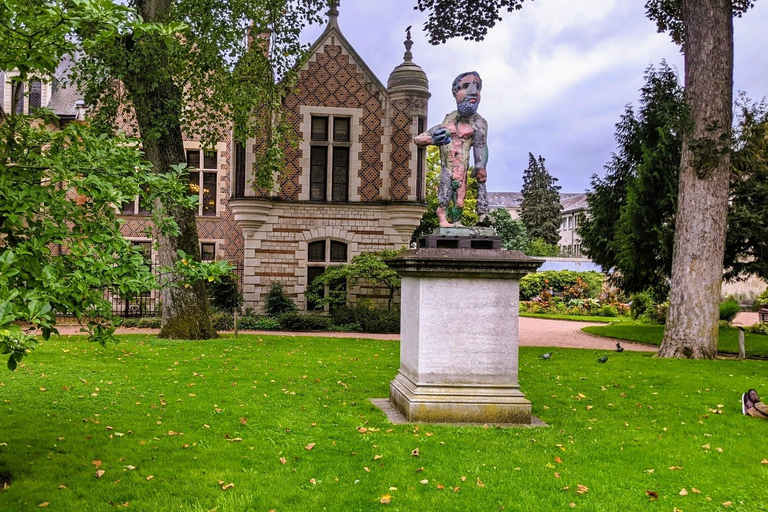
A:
[96,463]
[100,473]
[282,460]
[653,495]
[693,489]
[557,475]
[243,421]
[424,482]
[239,439]
[309,446]
[415,452]
[362,430]
[62,486]
[376,457]
[150,477]
[581,489]
[727,504]
[764,461]
[479,483]
[706,446]
[312,481]
[649,471]
[227,487]
[572,505]
[385,499]
[719,450]
[130,468]
[558,460]
[675,468]
[683,492]
[44,504]
[366,469]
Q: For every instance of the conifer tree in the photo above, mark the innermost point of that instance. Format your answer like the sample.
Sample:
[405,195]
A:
[540,208]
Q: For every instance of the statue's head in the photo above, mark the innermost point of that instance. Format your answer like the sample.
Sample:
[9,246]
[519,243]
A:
[466,89]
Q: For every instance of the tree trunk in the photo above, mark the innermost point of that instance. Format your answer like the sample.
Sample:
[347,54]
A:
[157,101]
[697,262]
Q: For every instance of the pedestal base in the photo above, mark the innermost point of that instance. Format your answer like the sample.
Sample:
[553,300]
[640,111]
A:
[459,403]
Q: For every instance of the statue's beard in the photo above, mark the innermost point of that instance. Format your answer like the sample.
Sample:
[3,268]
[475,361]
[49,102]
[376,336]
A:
[466,108]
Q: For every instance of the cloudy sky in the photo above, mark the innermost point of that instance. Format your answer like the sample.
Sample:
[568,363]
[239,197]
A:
[556,75]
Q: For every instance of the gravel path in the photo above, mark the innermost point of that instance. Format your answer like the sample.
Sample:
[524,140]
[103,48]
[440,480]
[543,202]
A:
[534,332]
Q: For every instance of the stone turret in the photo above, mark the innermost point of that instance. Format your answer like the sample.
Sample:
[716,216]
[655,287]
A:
[409,94]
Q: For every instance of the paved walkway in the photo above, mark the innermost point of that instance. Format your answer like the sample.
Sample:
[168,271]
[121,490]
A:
[534,332]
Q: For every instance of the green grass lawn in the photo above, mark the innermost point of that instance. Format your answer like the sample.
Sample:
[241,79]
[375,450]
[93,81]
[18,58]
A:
[171,423]
[575,318]
[728,341]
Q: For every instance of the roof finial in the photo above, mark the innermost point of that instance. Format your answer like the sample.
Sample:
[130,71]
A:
[408,57]
[333,12]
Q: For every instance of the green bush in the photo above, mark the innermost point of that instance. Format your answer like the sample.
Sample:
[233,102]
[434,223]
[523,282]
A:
[368,318]
[225,294]
[758,328]
[222,321]
[729,309]
[277,303]
[761,300]
[296,321]
[346,328]
[129,322]
[609,311]
[641,303]
[254,323]
[658,313]
[150,322]
[560,281]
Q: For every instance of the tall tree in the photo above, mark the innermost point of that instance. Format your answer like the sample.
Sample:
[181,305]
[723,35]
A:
[540,208]
[198,76]
[705,30]
[746,250]
[632,211]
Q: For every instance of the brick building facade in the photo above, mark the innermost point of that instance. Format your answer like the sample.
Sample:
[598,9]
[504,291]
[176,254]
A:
[354,184]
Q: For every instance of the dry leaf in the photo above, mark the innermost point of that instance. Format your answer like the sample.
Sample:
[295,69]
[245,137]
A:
[376,457]
[683,492]
[239,439]
[558,460]
[479,483]
[62,486]
[693,489]
[100,473]
[764,461]
[463,479]
[727,504]
[424,482]
[150,477]
[227,487]
[653,495]
[366,469]
[572,505]
[649,471]
[362,430]
[675,468]
[96,463]
[581,489]
[282,460]
[385,499]
[312,481]
[557,475]
[706,446]
[130,468]
[243,421]
[719,450]
[415,452]
[44,504]
[309,446]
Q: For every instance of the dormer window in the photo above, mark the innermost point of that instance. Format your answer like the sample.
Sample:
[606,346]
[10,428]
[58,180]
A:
[330,143]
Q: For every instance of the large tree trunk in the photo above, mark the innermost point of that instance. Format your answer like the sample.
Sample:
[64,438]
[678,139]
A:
[157,101]
[697,263]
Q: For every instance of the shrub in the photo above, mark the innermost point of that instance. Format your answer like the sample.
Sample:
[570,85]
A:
[129,322]
[658,313]
[225,294]
[609,311]
[346,328]
[729,309]
[150,322]
[559,281]
[277,303]
[761,300]
[295,321]
[222,321]
[641,303]
[758,328]
[368,318]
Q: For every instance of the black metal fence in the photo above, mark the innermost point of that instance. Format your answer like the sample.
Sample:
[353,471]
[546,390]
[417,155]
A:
[150,303]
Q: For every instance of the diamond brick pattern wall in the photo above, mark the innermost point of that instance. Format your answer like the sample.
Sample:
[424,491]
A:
[331,80]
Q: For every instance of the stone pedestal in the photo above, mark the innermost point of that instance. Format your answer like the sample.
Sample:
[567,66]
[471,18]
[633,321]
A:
[459,336]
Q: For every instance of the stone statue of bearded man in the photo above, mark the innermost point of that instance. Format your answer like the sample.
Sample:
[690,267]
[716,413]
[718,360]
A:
[461,131]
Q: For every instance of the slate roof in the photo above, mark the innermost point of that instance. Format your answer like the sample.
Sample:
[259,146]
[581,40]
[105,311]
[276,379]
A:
[64,98]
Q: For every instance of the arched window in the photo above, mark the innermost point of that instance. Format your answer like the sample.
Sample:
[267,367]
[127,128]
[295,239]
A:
[322,254]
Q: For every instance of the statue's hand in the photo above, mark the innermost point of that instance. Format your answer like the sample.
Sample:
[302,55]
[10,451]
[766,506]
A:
[481,175]
[440,137]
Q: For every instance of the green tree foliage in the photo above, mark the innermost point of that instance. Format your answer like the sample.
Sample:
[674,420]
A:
[540,208]
[368,267]
[538,247]
[191,66]
[632,210]
[560,281]
[429,220]
[512,231]
[225,293]
[746,250]
[61,249]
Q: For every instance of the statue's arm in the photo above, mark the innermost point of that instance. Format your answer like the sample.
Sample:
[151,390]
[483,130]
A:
[435,136]
[480,150]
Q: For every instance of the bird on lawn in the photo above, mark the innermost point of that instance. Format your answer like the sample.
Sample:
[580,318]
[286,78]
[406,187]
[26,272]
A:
[547,355]
[602,359]
[619,348]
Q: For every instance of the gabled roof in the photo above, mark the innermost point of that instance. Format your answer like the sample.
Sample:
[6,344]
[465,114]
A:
[573,202]
[332,29]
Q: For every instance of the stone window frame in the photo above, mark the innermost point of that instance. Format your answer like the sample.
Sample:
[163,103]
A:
[355,148]
[219,149]
[325,264]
